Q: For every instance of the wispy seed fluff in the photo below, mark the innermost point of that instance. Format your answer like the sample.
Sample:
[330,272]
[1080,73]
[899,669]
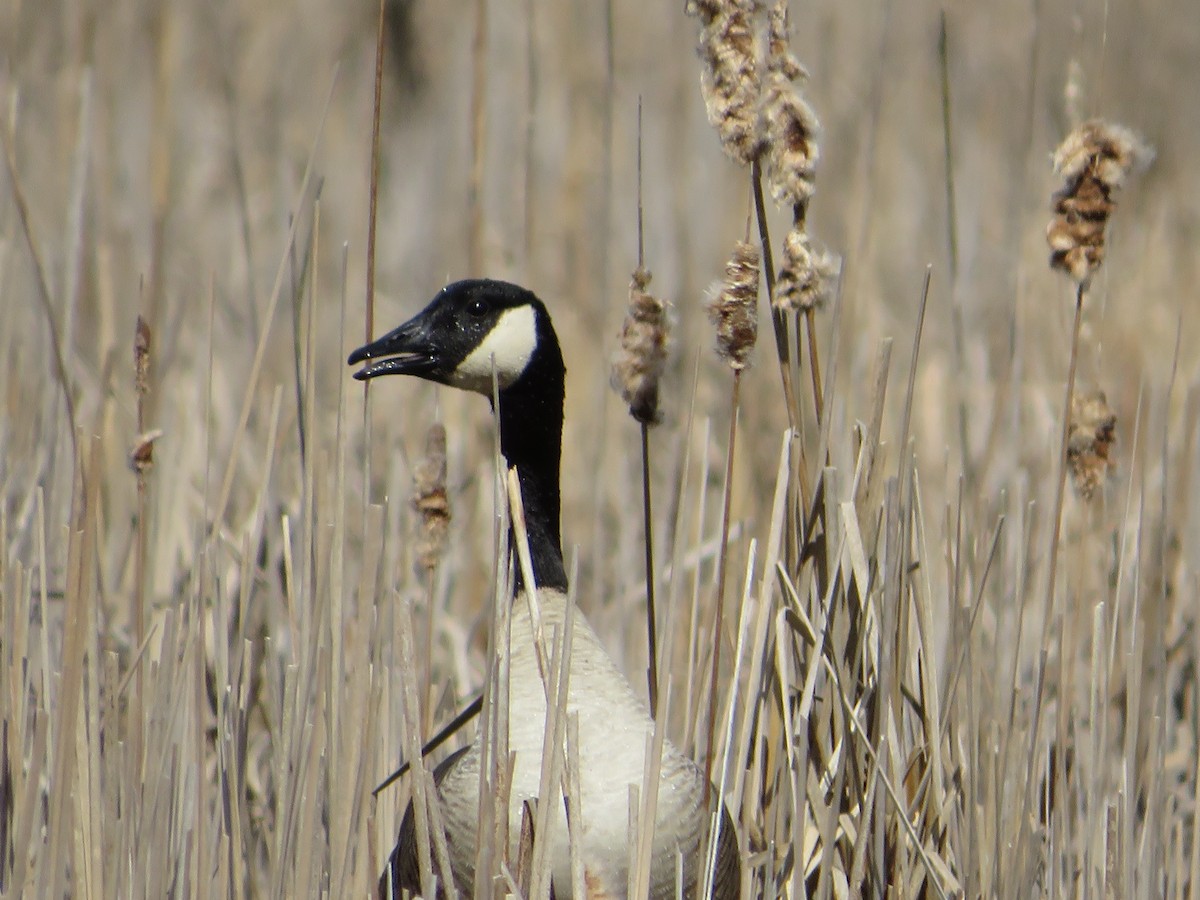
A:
[1094,161]
[430,500]
[806,274]
[1089,440]
[790,123]
[638,365]
[734,311]
[730,79]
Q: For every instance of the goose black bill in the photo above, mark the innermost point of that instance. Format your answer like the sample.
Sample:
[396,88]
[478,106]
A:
[405,351]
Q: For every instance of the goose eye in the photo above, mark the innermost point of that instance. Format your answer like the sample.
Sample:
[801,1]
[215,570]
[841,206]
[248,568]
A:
[478,308]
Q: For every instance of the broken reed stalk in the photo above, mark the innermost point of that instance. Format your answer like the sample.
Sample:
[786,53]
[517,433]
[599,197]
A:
[735,315]
[637,369]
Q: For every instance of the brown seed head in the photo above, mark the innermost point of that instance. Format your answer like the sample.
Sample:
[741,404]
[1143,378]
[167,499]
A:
[730,79]
[779,38]
[805,275]
[430,500]
[638,365]
[792,151]
[1091,434]
[734,312]
[1094,161]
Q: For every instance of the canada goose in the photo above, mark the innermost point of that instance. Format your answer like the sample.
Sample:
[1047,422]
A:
[469,328]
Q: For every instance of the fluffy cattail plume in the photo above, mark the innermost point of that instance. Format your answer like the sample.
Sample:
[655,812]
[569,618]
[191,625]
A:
[430,500]
[638,366]
[730,79]
[1094,161]
[792,151]
[790,123]
[779,53]
[1090,438]
[734,312]
[805,274]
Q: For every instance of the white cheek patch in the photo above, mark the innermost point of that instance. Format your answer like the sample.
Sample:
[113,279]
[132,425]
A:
[511,343]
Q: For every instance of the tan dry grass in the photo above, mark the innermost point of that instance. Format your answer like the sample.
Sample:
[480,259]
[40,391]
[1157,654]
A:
[890,712]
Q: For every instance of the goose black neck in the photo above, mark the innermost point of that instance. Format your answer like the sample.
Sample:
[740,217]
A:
[531,417]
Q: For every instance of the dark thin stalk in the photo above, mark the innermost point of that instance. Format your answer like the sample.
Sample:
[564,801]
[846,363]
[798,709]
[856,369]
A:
[814,363]
[651,616]
[448,730]
[722,566]
[647,518]
[799,214]
[777,320]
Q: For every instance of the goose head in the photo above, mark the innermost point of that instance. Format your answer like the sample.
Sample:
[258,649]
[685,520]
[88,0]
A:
[470,329]
[470,332]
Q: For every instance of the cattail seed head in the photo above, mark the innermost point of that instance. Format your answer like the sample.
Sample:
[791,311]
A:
[790,124]
[1091,434]
[430,500]
[734,312]
[779,36]
[638,365]
[805,274]
[792,151]
[1094,161]
[730,78]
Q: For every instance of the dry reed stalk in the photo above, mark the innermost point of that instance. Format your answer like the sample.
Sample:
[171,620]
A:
[478,112]
[422,797]
[218,512]
[734,314]
[373,190]
[956,316]
[1094,161]
[45,300]
[637,369]
[141,460]
[642,847]
[574,802]
[554,781]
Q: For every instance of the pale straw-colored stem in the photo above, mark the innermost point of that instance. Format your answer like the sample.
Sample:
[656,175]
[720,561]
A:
[722,565]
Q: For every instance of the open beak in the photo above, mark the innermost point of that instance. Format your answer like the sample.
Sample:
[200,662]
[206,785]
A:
[405,351]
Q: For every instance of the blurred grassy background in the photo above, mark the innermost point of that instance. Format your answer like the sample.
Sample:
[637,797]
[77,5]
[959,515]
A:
[160,151]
